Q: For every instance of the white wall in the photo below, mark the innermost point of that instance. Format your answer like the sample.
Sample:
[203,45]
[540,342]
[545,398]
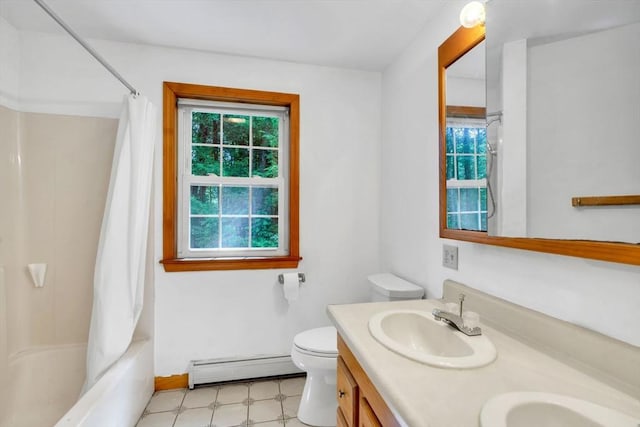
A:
[601,296]
[511,170]
[240,313]
[466,92]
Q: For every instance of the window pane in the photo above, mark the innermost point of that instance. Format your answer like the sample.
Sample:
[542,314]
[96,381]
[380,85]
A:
[482,141]
[470,139]
[483,222]
[264,232]
[265,163]
[466,167]
[468,199]
[265,131]
[264,201]
[458,138]
[482,166]
[452,221]
[469,221]
[452,200]
[465,140]
[451,170]
[204,200]
[205,128]
[449,138]
[235,162]
[236,129]
[235,200]
[204,233]
[483,199]
[235,232]
[205,160]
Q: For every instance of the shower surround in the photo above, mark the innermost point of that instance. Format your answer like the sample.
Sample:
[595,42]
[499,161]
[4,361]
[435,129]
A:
[54,173]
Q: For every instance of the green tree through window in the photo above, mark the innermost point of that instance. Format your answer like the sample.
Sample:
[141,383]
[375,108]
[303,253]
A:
[225,214]
[466,144]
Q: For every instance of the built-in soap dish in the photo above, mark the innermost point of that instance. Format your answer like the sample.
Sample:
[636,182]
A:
[38,273]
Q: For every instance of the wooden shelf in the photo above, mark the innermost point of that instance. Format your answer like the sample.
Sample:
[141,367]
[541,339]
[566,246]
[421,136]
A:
[605,200]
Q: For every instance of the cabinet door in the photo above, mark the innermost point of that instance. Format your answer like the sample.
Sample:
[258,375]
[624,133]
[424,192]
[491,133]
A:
[340,421]
[347,390]
[363,390]
[367,417]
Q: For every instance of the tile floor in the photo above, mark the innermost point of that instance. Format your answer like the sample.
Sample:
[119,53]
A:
[268,403]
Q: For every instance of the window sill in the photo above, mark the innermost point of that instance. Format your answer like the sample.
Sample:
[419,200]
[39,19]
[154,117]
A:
[209,264]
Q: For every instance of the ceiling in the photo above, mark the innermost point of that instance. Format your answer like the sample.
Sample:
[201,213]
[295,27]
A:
[360,34]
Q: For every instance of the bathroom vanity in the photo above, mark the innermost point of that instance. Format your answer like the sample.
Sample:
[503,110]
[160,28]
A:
[359,403]
[535,353]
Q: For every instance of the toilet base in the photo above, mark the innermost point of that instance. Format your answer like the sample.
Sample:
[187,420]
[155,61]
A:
[318,403]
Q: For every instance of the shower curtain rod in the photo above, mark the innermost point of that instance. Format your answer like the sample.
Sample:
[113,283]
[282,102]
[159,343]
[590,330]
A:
[85,45]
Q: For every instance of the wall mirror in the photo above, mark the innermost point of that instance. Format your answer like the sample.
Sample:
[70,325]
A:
[547,159]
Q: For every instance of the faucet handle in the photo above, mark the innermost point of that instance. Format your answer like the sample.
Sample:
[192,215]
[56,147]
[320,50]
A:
[462,297]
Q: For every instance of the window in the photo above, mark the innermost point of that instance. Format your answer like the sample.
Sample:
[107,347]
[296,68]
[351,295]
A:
[466,139]
[230,178]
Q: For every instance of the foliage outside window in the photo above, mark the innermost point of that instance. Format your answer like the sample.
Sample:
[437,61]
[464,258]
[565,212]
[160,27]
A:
[466,148]
[233,156]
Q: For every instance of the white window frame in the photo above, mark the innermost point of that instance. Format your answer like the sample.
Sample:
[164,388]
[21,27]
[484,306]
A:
[457,184]
[185,179]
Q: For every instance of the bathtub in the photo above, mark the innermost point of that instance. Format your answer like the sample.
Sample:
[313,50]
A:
[47,381]
[44,382]
[120,396]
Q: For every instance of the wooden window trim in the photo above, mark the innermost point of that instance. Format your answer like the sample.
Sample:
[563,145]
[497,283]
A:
[171,92]
[466,112]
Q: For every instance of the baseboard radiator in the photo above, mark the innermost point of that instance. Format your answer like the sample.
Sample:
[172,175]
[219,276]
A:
[220,370]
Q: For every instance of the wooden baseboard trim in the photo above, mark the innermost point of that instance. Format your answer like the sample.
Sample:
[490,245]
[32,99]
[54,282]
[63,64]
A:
[171,382]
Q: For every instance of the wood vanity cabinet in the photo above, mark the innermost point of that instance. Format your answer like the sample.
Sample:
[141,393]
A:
[359,403]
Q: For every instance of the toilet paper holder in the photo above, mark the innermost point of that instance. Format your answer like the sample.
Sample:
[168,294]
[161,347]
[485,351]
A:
[301,278]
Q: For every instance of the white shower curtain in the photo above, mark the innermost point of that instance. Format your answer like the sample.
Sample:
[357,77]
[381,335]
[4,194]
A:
[118,283]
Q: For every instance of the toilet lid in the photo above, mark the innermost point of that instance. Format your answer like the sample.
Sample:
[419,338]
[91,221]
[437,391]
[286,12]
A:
[392,286]
[319,340]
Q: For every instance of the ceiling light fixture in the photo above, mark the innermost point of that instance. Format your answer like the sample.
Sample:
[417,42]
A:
[472,14]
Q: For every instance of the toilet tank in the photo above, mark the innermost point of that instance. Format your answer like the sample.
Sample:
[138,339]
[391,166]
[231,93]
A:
[387,287]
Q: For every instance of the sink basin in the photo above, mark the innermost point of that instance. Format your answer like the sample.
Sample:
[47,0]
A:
[535,409]
[418,336]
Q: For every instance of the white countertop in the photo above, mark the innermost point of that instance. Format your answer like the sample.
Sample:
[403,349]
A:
[422,395]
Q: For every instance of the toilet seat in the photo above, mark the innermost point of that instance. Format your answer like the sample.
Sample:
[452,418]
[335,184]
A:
[319,342]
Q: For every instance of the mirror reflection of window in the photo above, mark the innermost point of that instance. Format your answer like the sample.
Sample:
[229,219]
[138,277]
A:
[449,57]
[466,140]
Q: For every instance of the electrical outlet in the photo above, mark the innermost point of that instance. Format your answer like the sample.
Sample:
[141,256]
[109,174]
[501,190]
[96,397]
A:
[450,256]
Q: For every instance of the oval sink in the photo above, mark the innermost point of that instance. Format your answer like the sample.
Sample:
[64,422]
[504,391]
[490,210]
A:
[418,336]
[535,409]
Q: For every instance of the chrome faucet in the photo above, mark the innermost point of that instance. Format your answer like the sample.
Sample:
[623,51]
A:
[456,320]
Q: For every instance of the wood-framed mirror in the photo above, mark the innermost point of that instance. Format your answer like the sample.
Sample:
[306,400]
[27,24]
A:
[455,47]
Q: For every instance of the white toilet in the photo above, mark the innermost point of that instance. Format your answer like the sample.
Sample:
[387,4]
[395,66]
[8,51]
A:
[315,351]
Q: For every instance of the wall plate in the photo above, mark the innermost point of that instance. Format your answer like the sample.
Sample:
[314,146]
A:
[450,256]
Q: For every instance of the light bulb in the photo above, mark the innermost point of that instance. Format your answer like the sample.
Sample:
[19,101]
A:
[472,14]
